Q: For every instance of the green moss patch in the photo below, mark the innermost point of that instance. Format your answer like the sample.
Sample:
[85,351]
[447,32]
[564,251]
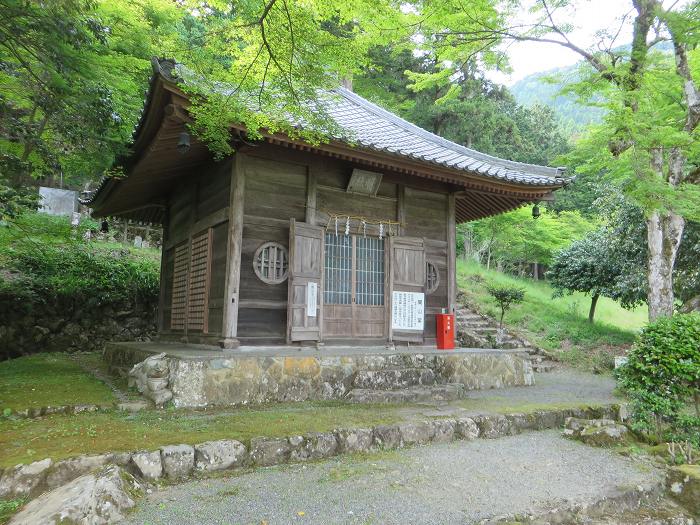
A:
[49,380]
[62,436]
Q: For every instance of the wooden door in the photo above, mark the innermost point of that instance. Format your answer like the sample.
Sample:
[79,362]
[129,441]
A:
[353,298]
[407,289]
[305,274]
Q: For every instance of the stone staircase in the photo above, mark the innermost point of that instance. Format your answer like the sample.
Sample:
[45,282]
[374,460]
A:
[402,385]
[475,330]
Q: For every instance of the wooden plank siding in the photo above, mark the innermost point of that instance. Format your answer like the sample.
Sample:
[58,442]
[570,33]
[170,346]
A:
[281,184]
[275,192]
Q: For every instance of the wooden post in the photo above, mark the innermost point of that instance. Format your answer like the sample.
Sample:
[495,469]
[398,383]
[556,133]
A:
[451,254]
[163,284]
[401,210]
[233,256]
[311,191]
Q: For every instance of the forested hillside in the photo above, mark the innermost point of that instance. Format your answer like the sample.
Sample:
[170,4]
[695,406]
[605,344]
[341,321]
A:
[545,89]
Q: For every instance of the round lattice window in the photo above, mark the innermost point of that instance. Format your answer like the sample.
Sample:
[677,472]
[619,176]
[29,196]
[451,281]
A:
[271,263]
[432,277]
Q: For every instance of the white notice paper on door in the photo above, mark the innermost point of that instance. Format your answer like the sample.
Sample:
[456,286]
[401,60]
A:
[311,299]
[407,311]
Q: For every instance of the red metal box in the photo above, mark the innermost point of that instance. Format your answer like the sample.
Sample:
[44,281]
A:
[445,331]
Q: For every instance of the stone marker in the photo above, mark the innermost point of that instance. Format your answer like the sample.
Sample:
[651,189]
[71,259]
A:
[94,499]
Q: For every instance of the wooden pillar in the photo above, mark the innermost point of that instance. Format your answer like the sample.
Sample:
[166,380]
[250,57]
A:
[233,255]
[451,254]
[163,284]
[311,192]
[401,209]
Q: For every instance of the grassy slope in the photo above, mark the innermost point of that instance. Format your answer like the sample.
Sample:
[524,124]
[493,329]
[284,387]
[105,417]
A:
[559,325]
[37,230]
[48,380]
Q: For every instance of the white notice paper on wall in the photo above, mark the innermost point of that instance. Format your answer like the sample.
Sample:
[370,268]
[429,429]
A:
[311,299]
[407,311]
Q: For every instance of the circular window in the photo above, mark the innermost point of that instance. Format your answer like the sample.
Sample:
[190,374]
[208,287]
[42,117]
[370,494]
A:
[271,263]
[432,277]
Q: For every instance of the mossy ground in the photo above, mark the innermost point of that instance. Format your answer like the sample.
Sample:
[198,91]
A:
[61,436]
[43,380]
[559,325]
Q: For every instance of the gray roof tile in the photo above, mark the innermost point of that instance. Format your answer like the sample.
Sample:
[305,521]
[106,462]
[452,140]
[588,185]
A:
[375,128]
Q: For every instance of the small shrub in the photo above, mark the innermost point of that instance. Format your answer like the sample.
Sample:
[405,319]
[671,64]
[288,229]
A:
[662,376]
[505,297]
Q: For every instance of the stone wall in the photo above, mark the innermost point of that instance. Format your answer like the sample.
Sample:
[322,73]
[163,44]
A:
[235,381]
[72,327]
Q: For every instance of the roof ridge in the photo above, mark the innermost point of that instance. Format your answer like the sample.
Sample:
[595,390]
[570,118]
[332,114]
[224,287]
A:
[437,139]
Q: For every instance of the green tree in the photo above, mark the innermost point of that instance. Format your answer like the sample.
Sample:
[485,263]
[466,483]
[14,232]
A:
[505,297]
[648,139]
[72,74]
[591,266]
[515,237]
[466,108]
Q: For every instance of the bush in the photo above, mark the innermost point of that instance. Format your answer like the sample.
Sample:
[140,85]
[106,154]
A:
[60,291]
[505,297]
[662,377]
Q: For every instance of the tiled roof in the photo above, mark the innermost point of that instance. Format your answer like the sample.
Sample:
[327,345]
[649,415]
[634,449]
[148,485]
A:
[377,129]
[370,127]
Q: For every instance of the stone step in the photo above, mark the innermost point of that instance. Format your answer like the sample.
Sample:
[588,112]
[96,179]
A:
[485,329]
[415,394]
[542,367]
[393,378]
[471,320]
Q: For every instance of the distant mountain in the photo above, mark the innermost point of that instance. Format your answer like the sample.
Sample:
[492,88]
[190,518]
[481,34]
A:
[573,117]
[539,89]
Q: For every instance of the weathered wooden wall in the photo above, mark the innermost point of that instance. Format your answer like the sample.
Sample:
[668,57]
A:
[275,191]
[277,185]
[195,204]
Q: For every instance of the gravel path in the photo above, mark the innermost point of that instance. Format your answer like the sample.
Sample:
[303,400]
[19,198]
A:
[560,386]
[460,482]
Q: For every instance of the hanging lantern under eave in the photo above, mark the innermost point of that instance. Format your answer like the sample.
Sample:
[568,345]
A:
[183,143]
[536,211]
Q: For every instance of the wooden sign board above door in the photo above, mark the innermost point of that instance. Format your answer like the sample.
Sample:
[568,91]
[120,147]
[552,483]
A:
[364,182]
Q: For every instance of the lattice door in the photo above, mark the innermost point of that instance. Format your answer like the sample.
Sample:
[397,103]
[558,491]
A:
[178,312]
[198,293]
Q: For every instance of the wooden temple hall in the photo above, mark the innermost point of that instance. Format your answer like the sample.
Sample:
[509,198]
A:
[284,242]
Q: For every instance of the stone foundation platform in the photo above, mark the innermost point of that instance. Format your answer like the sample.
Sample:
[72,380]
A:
[207,376]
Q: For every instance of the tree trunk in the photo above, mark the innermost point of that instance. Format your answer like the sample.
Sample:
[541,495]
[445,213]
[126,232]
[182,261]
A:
[536,271]
[664,231]
[591,311]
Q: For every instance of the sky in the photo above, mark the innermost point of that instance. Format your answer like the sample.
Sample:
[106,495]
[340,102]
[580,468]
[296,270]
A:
[590,17]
